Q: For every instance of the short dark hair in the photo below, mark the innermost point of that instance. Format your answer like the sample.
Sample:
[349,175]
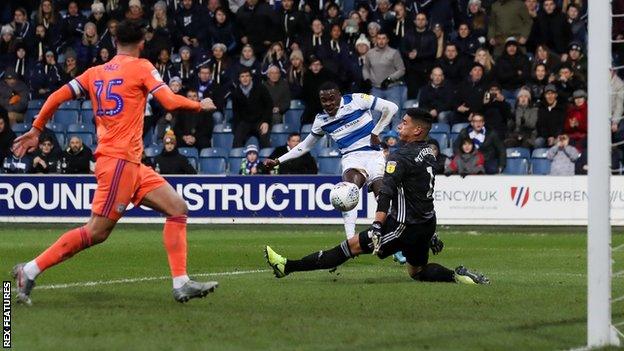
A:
[421,116]
[130,32]
[329,85]
[294,134]
[244,70]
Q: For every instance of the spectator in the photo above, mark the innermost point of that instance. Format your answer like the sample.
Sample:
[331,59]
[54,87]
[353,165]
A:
[15,165]
[40,45]
[544,56]
[221,30]
[454,66]
[86,49]
[103,56]
[617,104]
[466,42]
[135,12]
[164,28]
[384,67]
[248,60]
[550,118]
[305,164]
[293,24]
[353,28]
[220,65]
[7,44]
[70,66]
[577,60]
[77,158]
[468,161]
[512,69]
[335,54]
[51,23]
[373,29]
[508,18]
[21,26]
[575,126]
[539,79]
[164,65]
[193,129]
[551,28]
[254,23]
[484,58]
[275,57]
[13,96]
[578,26]
[278,88]
[441,160]
[333,16]
[313,78]
[99,17]
[441,39]
[6,137]
[486,141]
[296,73]
[400,26]
[391,138]
[47,77]
[206,87]
[357,61]
[497,111]
[22,63]
[188,24]
[477,19]
[436,97]
[251,107]
[523,130]
[73,23]
[419,53]
[470,94]
[313,42]
[251,163]
[184,69]
[44,159]
[563,157]
[109,38]
[567,82]
[170,161]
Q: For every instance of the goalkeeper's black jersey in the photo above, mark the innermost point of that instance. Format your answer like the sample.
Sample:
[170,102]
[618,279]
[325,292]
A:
[408,184]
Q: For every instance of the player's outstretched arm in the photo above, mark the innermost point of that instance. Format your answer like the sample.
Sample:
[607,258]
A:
[29,141]
[171,101]
[388,109]
[300,150]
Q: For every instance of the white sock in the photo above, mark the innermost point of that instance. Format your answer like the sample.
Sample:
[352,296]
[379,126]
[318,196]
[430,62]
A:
[180,280]
[31,270]
[349,222]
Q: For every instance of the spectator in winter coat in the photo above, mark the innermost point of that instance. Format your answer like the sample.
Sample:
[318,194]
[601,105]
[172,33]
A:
[76,158]
[466,42]
[567,82]
[47,77]
[185,70]
[468,161]
[170,161]
[305,164]
[73,23]
[470,95]
[575,126]
[248,60]
[251,107]
[578,26]
[551,28]
[562,156]
[617,101]
[543,55]
[313,78]
[550,118]
[436,97]
[45,161]
[280,94]
[189,24]
[250,165]
[497,111]
[255,21]
[577,60]
[539,80]
[484,58]
[523,130]
[6,137]
[513,68]
[508,18]
[193,129]
[163,27]
[13,96]
[455,67]
[293,24]
[442,160]
[296,73]
[486,141]
[221,31]
[275,56]
[419,52]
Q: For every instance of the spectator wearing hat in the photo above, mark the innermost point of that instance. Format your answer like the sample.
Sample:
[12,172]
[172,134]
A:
[468,161]
[313,78]
[221,30]
[193,129]
[523,130]
[575,126]
[13,96]
[220,65]
[486,141]
[551,28]
[70,67]
[470,94]
[497,111]
[373,29]
[251,163]
[44,159]
[296,72]
[562,156]
[189,24]
[185,70]
[391,138]
[6,137]
[385,69]
[508,18]
[455,67]
[577,60]
[441,160]
[436,97]
[7,44]
[567,82]
[550,118]
[163,27]
[251,107]
[355,64]
[73,23]
[76,158]
[419,53]
[280,94]
[253,21]
[99,17]
[513,69]
[135,12]
[305,164]
[473,13]
[170,161]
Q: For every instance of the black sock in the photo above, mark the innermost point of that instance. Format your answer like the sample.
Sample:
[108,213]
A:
[321,259]
[433,272]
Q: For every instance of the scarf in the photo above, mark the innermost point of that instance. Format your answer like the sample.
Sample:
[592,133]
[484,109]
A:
[246,89]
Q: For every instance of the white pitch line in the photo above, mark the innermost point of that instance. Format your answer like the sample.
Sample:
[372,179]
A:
[140,280]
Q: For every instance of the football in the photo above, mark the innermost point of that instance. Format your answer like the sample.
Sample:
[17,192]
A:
[345,196]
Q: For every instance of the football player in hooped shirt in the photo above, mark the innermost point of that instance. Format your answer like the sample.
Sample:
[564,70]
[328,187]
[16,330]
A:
[348,120]
[118,90]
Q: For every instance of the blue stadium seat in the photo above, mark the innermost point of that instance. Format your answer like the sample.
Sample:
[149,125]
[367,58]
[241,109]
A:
[234,164]
[189,152]
[21,128]
[297,105]
[30,114]
[447,151]
[306,129]
[266,152]
[86,116]
[293,119]
[217,117]
[540,166]
[237,152]
[60,137]
[56,127]
[327,152]
[281,128]
[222,128]
[86,105]
[214,152]
[279,139]
[80,128]
[452,138]
[410,104]
[148,138]
[66,117]
[457,127]
[517,166]
[35,104]
[253,141]
[228,105]
[442,139]
[193,162]
[70,105]
[329,165]
[539,153]
[87,138]
[518,152]
[212,165]
[222,139]
[152,151]
[440,128]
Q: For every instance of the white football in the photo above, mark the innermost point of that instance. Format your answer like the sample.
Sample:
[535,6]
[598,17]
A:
[345,196]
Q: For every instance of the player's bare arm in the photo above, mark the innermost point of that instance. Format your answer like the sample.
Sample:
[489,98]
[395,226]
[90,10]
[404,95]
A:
[304,147]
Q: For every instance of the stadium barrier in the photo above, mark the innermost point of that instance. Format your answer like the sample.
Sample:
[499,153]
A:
[508,200]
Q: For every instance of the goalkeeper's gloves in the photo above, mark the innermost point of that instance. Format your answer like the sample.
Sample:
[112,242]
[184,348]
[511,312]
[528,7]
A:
[374,232]
[436,245]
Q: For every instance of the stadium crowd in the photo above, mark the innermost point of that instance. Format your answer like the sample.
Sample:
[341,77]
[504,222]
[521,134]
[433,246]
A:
[504,79]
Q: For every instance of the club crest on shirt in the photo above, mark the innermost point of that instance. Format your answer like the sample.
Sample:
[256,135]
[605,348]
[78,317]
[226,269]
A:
[366,97]
[390,167]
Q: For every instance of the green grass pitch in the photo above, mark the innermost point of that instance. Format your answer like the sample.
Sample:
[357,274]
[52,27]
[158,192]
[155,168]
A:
[537,299]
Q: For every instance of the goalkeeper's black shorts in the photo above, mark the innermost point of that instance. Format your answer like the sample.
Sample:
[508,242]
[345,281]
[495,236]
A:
[413,240]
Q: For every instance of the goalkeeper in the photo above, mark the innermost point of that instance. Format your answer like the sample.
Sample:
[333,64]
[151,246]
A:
[408,225]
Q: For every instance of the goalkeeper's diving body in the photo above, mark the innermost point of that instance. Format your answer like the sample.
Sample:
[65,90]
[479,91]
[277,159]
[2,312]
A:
[349,121]
[405,219]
